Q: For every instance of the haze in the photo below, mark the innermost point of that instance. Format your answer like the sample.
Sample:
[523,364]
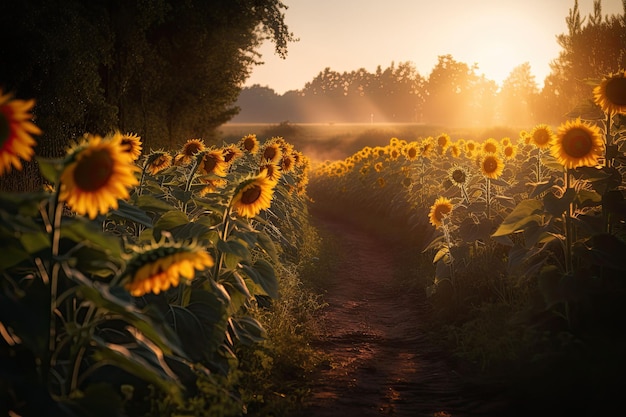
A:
[350,34]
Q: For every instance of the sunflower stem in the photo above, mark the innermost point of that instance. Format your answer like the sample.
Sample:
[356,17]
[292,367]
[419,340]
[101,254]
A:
[57,214]
[539,176]
[488,198]
[223,236]
[568,228]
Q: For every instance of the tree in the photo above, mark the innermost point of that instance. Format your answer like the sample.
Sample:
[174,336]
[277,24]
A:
[518,96]
[451,94]
[165,70]
[593,47]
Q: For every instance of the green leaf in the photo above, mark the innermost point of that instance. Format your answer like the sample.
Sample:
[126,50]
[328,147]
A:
[234,251]
[541,187]
[263,274]
[586,198]
[129,212]
[116,300]
[247,330]
[526,213]
[171,219]
[149,369]
[81,231]
[150,203]
[556,206]
[50,168]
[34,242]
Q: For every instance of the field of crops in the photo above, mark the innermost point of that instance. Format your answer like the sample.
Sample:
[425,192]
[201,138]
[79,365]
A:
[189,281]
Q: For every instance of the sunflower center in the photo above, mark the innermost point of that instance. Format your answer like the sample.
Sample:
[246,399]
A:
[541,137]
[191,149]
[458,176]
[412,153]
[5,129]
[209,164]
[251,195]
[490,165]
[441,211]
[616,91]
[248,144]
[269,153]
[490,148]
[577,143]
[94,170]
[127,145]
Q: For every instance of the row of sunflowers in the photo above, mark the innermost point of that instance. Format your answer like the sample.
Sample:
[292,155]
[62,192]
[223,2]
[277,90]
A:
[499,219]
[132,270]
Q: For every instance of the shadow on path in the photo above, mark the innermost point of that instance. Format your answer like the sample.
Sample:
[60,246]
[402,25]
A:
[380,361]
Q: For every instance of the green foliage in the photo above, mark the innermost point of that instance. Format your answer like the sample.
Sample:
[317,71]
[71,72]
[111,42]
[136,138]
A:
[67,307]
[168,71]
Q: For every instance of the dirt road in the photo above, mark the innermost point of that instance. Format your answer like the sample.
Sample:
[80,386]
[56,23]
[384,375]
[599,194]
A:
[380,362]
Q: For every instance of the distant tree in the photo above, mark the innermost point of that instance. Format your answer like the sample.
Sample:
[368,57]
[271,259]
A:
[165,70]
[450,94]
[518,97]
[593,47]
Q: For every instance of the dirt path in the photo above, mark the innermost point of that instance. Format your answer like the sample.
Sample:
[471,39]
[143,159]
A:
[380,361]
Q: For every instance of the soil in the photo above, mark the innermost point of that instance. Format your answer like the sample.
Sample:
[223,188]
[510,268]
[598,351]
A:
[380,360]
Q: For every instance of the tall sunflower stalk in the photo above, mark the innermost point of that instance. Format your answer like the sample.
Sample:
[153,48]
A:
[439,215]
[610,96]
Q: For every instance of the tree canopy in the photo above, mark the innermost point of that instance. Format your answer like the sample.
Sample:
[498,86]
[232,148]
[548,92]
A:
[166,70]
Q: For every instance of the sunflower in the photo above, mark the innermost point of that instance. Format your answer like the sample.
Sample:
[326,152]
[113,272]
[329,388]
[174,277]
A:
[491,166]
[287,164]
[458,175]
[381,182]
[509,151]
[439,210]
[610,94]
[99,173]
[15,132]
[505,141]
[443,141]
[253,195]
[470,146]
[249,143]
[394,152]
[541,136]
[157,161]
[231,153]
[454,150]
[427,148]
[271,152]
[411,151]
[491,146]
[159,267]
[213,163]
[272,171]
[190,148]
[578,144]
[131,143]
[378,166]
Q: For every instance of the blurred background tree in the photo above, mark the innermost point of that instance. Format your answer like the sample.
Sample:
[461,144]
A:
[166,70]
[593,47]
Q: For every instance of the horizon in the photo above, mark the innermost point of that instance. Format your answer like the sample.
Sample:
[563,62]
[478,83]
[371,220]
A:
[493,35]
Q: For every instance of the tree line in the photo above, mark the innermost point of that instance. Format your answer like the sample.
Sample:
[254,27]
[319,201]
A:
[170,71]
[166,70]
[453,94]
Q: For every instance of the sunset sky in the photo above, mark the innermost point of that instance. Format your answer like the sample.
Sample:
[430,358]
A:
[346,35]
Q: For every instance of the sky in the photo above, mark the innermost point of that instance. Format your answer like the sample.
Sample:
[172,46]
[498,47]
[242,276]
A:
[345,35]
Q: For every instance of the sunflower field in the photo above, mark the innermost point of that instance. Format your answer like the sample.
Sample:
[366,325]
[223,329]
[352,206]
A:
[152,283]
[519,243]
